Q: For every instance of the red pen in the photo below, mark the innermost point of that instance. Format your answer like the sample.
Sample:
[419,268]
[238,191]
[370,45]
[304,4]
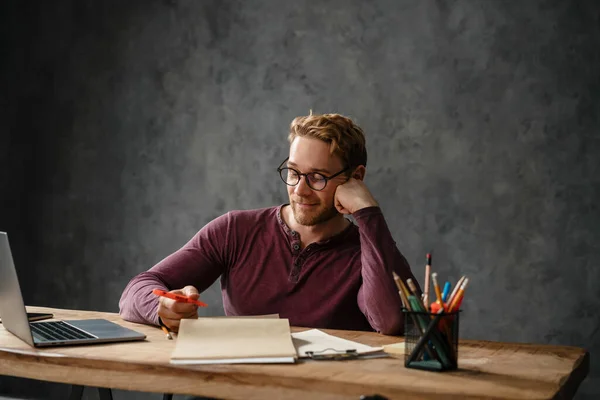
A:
[178,297]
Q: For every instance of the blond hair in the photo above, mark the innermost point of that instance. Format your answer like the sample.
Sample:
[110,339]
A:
[345,138]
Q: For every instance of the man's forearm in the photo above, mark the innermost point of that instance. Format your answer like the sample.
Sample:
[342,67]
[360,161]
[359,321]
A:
[197,264]
[378,297]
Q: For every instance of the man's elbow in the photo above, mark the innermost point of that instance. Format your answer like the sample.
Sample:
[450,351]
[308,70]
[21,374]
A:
[125,310]
[391,326]
[128,310]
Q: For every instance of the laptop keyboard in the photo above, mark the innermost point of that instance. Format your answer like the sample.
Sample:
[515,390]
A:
[57,331]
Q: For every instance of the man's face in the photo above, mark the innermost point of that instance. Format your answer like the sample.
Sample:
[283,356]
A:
[312,207]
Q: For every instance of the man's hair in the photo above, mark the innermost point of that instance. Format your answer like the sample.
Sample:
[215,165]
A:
[345,138]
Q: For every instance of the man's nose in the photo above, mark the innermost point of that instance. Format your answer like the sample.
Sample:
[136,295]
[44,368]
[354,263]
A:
[302,188]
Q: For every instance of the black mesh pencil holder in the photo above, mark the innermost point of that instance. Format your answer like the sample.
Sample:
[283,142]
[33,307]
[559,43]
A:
[431,340]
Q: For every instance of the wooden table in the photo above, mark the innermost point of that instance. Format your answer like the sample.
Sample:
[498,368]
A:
[487,370]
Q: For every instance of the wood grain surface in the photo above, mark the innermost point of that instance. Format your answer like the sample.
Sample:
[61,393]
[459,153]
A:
[487,370]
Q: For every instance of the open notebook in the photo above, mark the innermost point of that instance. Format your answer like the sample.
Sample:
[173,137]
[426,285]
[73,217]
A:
[234,341]
[241,340]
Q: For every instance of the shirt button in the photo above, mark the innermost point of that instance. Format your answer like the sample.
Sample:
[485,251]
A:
[294,233]
[296,246]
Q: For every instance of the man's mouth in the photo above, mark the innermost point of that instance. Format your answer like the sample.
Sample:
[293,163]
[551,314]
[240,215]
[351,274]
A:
[306,205]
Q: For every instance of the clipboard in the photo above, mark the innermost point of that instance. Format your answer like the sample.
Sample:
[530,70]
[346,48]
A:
[317,345]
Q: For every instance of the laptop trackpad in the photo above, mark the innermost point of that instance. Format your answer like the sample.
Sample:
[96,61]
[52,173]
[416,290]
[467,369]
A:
[104,329]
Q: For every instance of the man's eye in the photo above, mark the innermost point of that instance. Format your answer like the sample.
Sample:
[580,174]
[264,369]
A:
[316,178]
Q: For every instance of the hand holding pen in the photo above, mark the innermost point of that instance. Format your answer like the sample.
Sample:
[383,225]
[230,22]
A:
[177,304]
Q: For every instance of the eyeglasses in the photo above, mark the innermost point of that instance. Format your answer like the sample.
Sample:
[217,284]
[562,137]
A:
[315,180]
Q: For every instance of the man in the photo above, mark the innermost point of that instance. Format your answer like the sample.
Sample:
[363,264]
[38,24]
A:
[304,261]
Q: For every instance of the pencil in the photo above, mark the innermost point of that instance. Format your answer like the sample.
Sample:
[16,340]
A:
[453,294]
[413,291]
[397,280]
[403,291]
[427,273]
[166,331]
[436,287]
[459,295]
[412,287]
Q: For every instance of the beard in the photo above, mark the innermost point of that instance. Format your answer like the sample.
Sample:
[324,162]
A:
[314,216]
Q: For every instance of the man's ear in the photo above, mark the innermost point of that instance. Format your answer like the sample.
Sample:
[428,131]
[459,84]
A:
[359,173]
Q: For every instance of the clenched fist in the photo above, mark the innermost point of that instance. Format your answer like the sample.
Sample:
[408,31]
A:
[353,196]
[172,312]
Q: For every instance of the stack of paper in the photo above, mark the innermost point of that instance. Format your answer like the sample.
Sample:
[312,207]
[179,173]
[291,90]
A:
[234,341]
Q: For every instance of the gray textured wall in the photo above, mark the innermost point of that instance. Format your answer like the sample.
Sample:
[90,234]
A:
[126,126]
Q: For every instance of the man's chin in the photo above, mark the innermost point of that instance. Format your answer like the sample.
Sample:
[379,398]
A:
[312,218]
[304,220]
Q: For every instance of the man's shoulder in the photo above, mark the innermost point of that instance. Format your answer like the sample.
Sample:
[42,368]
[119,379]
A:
[266,214]
[243,220]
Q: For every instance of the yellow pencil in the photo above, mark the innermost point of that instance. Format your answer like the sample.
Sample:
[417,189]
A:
[402,291]
[397,280]
[436,287]
[166,331]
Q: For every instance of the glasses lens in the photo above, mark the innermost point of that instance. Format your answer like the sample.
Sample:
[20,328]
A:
[289,176]
[316,181]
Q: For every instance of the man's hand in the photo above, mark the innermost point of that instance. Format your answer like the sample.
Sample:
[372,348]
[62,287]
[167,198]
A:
[353,196]
[171,312]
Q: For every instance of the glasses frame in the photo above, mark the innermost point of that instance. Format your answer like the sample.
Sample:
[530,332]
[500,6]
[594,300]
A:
[300,175]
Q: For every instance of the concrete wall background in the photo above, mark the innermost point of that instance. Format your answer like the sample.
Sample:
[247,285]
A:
[126,126]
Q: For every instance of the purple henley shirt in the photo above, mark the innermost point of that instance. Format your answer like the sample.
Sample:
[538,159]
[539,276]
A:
[344,282]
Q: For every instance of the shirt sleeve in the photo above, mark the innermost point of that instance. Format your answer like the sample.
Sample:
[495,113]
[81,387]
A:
[198,263]
[378,296]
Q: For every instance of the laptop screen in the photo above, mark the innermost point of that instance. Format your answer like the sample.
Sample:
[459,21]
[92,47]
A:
[12,307]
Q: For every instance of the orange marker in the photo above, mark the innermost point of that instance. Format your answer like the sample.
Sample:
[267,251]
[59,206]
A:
[178,297]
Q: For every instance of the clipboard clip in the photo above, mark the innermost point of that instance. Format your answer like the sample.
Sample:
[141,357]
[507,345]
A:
[339,355]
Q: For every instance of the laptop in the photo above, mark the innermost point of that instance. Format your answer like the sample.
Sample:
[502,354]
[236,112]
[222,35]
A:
[49,333]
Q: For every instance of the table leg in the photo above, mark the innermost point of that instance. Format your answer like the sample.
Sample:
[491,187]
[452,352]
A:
[76,392]
[105,394]
[167,396]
